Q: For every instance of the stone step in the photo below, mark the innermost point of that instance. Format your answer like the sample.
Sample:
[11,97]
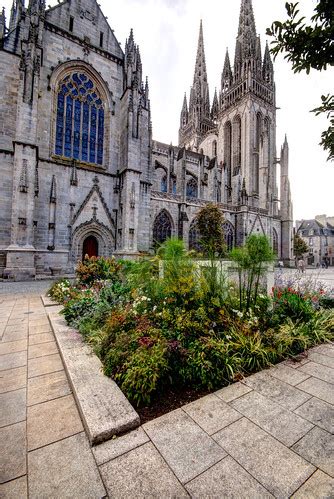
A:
[104,409]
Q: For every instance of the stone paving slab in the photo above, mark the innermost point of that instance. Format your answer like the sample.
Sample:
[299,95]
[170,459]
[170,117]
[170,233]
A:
[319,371]
[226,479]
[231,392]
[70,470]
[13,346]
[288,374]
[120,445]
[13,407]
[141,473]
[280,392]
[317,447]
[211,413]
[326,349]
[47,387]
[16,489]
[36,339]
[184,445]
[51,421]
[324,360]
[319,413]
[42,349]
[15,335]
[276,467]
[13,379]
[104,409]
[319,389]
[282,424]
[13,360]
[12,452]
[319,485]
[44,365]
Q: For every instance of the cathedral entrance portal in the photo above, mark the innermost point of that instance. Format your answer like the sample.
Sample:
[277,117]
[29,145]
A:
[90,247]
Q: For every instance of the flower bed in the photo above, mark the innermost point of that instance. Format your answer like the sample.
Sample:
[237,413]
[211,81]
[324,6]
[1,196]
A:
[187,332]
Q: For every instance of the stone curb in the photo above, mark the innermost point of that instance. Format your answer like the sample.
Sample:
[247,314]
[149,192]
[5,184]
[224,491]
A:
[47,301]
[104,409]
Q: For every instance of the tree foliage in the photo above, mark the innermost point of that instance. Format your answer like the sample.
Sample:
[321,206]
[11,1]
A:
[309,46]
[210,225]
[299,246]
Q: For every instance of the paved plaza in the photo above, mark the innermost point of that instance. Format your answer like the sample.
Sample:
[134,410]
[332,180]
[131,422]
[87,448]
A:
[270,435]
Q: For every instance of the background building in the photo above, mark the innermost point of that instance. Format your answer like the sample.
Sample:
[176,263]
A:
[80,172]
[318,234]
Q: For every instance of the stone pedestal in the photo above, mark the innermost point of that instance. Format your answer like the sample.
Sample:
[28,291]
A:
[20,264]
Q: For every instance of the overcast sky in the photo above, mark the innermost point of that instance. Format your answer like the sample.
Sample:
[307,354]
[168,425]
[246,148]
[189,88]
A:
[167,33]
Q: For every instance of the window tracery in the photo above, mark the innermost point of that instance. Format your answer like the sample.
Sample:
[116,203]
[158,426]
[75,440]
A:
[162,228]
[228,231]
[163,186]
[192,188]
[194,237]
[80,119]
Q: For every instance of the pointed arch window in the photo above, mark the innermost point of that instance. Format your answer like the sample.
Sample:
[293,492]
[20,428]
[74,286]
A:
[163,186]
[236,145]
[228,231]
[80,119]
[194,237]
[275,242]
[258,134]
[162,228]
[228,154]
[192,188]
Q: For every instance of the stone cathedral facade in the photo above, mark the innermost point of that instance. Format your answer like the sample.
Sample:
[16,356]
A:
[80,172]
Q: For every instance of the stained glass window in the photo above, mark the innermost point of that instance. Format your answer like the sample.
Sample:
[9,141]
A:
[194,237]
[228,231]
[192,188]
[80,119]
[163,186]
[162,228]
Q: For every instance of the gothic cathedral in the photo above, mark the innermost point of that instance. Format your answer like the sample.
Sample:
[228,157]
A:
[80,173]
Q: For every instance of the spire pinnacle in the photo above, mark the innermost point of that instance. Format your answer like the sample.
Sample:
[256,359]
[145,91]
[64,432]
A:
[246,19]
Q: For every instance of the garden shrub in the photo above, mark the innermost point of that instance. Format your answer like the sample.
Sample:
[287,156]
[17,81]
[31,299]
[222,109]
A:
[208,363]
[97,268]
[291,304]
[162,322]
[61,291]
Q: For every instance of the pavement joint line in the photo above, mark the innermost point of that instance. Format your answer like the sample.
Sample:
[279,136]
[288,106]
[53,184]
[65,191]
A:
[321,379]
[13,479]
[171,469]
[302,485]
[123,453]
[50,400]
[29,451]
[308,431]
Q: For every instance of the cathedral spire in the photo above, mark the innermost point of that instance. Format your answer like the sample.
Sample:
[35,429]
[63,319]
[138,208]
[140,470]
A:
[267,67]
[200,67]
[246,20]
[247,43]
[215,106]
[200,102]
[184,112]
[227,75]
[2,24]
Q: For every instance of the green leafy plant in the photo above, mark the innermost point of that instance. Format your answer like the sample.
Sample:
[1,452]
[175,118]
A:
[252,262]
[97,268]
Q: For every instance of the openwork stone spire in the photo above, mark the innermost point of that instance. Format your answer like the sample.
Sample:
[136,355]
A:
[199,98]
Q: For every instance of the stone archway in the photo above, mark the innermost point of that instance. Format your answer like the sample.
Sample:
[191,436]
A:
[90,247]
[104,243]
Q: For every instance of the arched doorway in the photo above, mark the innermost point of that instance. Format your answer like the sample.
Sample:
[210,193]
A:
[90,247]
